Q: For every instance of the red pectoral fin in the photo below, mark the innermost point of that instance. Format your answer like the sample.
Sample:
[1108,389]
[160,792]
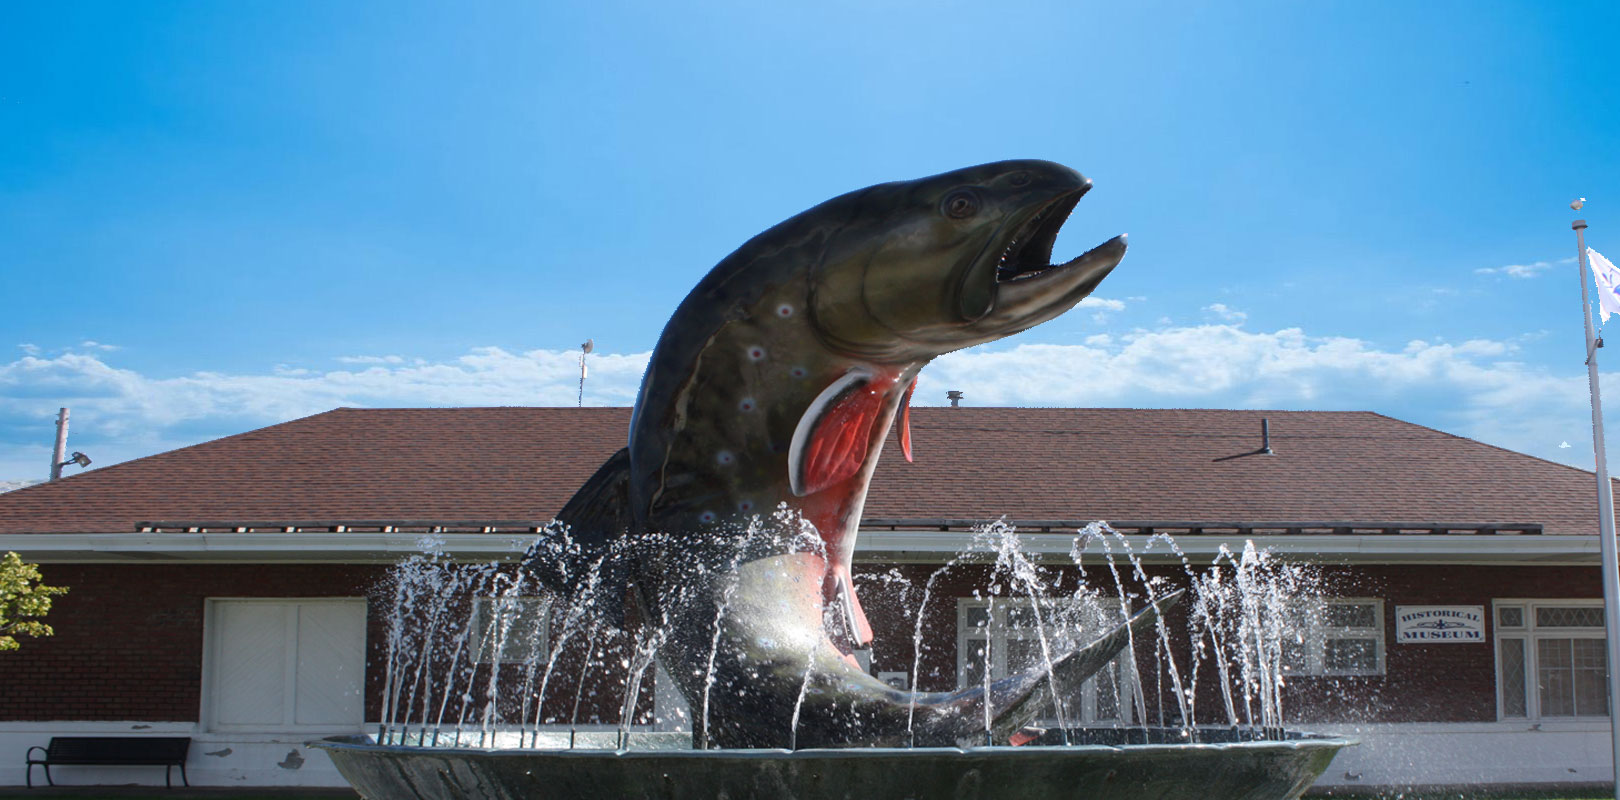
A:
[905,421]
[831,439]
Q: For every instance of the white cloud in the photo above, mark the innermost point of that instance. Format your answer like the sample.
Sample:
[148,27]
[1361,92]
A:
[1224,312]
[1531,270]
[8,486]
[29,349]
[371,359]
[1101,307]
[1102,304]
[1473,388]
[123,413]
[91,344]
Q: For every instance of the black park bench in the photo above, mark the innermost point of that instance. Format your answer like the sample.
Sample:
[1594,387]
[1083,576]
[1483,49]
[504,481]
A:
[107,751]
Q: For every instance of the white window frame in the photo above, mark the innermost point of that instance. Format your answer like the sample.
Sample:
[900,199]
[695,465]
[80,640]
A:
[212,656]
[1123,665]
[1530,634]
[514,649]
[1317,633]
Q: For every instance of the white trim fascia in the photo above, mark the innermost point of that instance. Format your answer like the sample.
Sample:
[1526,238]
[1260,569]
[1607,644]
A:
[936,546]
[337,548]
[872,546]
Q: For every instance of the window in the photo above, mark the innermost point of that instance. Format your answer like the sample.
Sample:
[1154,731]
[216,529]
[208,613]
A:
[510,630]
[1550,659]
[1338,636]
[284,665]
[1007,634]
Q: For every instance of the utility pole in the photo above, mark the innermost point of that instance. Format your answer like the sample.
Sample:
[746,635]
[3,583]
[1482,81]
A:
[584,350]
[1606,546]
[59,455]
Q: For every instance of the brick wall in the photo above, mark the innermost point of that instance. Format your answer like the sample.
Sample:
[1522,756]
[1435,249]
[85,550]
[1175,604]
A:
[129,638]
[1421,683]
[129,641]
[1432,682]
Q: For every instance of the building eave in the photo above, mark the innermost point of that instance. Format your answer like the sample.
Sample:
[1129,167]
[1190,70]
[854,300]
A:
[876,546]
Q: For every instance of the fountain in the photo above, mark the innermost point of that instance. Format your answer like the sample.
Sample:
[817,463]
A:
[718,546]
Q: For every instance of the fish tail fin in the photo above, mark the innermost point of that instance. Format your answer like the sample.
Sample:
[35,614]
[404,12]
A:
[1021,699]
[1016,700]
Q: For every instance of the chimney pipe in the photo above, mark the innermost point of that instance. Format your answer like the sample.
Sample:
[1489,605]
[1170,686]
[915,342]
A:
[955,396]
[1265,437]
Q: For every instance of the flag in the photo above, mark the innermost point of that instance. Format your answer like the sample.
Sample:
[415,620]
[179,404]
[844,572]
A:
[1607,276]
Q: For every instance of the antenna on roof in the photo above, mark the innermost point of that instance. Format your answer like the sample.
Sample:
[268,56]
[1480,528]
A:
[584,350]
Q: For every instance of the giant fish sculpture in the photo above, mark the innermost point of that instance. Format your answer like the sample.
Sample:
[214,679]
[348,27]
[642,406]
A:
[772,391]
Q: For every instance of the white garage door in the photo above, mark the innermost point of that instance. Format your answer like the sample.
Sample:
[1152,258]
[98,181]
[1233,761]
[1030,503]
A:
[284,665]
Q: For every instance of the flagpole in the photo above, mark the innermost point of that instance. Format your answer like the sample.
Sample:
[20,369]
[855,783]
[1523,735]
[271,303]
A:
[1606,545]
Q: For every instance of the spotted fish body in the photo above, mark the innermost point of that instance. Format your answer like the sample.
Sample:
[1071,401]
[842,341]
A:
[773,388]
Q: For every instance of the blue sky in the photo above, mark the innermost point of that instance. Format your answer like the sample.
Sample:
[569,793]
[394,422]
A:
[215,216]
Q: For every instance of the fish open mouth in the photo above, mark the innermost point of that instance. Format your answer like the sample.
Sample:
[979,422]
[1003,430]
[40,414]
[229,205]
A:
[1029,250]
[1027,288]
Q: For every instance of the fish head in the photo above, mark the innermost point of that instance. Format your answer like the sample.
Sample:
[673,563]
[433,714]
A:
[937,264]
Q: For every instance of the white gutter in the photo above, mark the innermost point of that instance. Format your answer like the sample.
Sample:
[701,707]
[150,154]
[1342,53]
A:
[872,546]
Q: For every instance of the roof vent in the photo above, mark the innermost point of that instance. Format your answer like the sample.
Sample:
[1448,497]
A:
[955,396]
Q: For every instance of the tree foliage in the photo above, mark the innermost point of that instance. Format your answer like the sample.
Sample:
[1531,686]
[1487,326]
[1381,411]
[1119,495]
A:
[23,599]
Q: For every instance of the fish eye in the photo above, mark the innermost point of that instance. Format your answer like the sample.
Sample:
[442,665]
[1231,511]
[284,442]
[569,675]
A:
[960,204]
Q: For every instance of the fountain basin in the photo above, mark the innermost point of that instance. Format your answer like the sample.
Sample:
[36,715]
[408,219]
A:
[1234,770]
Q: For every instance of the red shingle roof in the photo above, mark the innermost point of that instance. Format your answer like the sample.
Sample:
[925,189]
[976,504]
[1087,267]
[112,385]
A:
[976,463]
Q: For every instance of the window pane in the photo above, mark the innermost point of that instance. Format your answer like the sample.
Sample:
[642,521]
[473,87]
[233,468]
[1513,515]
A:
[976,617]
[1350,655]
[1350,615]
[1590,678]
[516,626]
[1554,677]
[973,664]
[1569,617]
[1294,661]
[1021,616]
[1022,654]
[1510,616]
[1512,677]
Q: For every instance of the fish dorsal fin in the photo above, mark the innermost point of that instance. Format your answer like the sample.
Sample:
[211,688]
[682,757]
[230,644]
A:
[598,514]
[600,511]
[905,421]
[830,442]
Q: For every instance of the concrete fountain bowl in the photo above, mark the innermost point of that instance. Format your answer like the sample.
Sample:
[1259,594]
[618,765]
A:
[1110,764]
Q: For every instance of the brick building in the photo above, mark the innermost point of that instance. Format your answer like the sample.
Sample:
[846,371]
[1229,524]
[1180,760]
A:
[225,591]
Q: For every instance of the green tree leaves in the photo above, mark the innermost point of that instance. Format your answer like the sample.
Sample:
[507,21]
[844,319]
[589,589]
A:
[22,599]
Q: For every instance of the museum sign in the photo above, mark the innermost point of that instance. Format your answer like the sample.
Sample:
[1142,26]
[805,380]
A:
[1439,624]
